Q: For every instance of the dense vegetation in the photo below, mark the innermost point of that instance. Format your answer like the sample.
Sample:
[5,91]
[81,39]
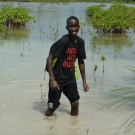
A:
[13,17]
[118,18]
[1,28]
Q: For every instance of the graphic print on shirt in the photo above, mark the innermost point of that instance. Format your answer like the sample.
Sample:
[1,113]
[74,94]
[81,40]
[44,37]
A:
[70,60]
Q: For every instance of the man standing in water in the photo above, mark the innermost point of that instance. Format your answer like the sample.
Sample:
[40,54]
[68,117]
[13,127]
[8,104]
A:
[62,76]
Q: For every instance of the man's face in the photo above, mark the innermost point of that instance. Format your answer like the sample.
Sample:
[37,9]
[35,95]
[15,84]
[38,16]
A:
[73,27]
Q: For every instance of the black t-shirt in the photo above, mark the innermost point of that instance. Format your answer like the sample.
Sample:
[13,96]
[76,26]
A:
[67,51]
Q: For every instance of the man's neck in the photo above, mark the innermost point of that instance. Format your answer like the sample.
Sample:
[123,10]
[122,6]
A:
[73,38]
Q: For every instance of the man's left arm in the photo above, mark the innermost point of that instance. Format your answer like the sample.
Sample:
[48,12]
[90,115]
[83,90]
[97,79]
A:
[82,71]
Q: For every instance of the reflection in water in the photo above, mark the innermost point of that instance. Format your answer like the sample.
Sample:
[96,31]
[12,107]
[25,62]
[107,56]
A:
[16,33]
[113,41]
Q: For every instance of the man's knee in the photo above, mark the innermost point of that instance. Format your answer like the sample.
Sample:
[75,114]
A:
[75,104]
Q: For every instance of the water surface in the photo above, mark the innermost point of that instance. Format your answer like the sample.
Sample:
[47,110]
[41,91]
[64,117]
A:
[22,60]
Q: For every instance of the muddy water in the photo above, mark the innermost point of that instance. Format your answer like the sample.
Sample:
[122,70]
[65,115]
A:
[22,60]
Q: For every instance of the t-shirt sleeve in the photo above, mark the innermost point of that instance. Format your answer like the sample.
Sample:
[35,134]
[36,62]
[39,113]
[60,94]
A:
[58,47]
[82,53]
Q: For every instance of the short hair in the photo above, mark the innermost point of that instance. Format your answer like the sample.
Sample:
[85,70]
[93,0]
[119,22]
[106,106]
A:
[72,17]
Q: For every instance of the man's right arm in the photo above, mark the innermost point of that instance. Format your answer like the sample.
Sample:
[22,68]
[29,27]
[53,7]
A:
[54,85]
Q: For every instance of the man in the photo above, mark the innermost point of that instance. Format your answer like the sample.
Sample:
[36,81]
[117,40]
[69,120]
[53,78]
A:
[62,77]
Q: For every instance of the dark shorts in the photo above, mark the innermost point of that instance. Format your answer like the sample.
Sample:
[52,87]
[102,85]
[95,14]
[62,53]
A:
[70,91]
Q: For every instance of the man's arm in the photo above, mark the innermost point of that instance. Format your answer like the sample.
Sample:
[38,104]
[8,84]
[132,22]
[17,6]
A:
[82,71]
[54,85]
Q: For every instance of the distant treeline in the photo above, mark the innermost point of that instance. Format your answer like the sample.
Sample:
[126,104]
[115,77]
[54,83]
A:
[56,1]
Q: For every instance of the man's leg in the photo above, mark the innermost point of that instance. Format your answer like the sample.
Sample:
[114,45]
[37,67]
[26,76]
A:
[74,108]
[53,101]
[71,92]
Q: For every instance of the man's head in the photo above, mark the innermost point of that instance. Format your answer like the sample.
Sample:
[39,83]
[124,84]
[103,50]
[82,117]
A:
[72,25]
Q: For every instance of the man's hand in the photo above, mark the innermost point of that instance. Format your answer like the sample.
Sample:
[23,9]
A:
[86,87]
[54,85]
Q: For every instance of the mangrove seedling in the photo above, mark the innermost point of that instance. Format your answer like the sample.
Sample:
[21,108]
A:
[93,48]
[103,59]
[44,96]
[95,68]
[81,26]
[41,92]
[115,53]
[99,50]
[40,34]
[29,46]
[21,54]
[87,131]
[23,45]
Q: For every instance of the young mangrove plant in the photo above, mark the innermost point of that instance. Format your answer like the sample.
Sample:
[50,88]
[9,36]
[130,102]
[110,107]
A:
[115,50]
[93,43]
[23,45]
[21,54]
[82,26]
[41,92]
[93,50]
[99,50]
[95,68]
[29,46]
[87,131]
[103,59]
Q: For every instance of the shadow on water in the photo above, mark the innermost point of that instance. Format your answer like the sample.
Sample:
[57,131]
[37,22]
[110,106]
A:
[42,106]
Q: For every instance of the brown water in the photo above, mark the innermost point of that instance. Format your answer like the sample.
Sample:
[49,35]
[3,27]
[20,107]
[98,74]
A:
[22,60]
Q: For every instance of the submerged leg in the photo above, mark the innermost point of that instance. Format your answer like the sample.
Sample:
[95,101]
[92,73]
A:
[49,112]
[74,108]
[53,101]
